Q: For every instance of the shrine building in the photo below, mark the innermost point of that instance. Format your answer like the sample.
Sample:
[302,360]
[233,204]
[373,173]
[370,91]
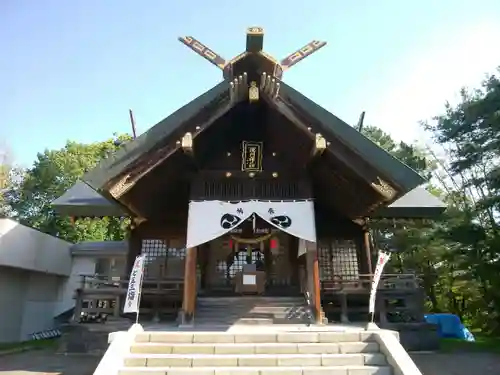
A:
[249,189]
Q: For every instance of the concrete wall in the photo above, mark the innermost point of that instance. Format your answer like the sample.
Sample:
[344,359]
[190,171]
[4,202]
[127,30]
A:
[82,265]
[40,297]
[38,279]
[27,301]
[12,290]
[26,248]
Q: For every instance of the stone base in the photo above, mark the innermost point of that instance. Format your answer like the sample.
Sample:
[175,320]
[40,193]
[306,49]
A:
[185,320]
[371,327]
[416,336]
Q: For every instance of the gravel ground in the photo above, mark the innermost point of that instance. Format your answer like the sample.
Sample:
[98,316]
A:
[462,363]
[45,362]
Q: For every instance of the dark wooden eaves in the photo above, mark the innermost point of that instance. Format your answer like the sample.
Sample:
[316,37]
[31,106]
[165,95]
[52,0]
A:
[129,153]
[391,168]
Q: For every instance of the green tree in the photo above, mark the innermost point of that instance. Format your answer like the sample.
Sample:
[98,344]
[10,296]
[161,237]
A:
[408,154]
[470,134]
[53,172]
[9,173]
[419,250]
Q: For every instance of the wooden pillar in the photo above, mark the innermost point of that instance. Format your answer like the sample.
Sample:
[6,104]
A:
[117,308]
[78,306]
[134,249]
[368,252]
[313,282]
[189,296]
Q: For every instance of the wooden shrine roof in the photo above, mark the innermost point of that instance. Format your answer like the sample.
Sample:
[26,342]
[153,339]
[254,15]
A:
[83,201]
[214,103]
[418,203]
[364,161]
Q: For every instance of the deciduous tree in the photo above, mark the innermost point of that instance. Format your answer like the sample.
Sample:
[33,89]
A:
[53,172]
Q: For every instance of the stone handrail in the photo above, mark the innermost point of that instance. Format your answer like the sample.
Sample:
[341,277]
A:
[120,343]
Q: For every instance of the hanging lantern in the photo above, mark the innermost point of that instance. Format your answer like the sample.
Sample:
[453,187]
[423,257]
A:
[274,245]
[230,244]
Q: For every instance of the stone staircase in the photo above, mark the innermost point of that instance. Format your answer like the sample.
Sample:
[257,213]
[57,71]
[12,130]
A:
[259,353]
[251,310]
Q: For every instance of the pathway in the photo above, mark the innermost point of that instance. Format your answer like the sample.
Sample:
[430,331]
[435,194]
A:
[46,362]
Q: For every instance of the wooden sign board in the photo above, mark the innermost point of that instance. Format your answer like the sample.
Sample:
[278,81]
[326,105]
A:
[251,156]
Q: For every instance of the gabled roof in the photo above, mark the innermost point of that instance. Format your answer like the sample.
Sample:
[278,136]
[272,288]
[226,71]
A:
[400,174]
[418,203]
[81,200]
[375,155]
[131,151]
[96,248]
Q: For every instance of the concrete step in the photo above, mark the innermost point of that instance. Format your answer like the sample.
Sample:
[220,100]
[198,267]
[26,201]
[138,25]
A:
[262,348]
[248,322]
[280,314]
[293,370]
[249,299]
[249,305]
[243,337]
[254,310]
[250,316]
[304,353]
[251,308]
[253,360]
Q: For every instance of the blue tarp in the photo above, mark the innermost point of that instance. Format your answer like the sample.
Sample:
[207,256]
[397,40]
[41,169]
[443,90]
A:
[450,326]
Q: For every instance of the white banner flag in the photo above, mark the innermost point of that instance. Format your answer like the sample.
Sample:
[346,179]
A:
[208,220]
[134,286]
[383,258]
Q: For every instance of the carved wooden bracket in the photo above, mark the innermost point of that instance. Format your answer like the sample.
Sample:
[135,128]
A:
[384,189]
[187,143]
[136,221]
[319,145]
[151,160]
[121,187]
[360,221]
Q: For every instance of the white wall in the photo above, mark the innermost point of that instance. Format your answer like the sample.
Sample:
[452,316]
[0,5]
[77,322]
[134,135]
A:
[26,248]
[38,279]
[12,290]
[40,299]
[27,302]
[82,265]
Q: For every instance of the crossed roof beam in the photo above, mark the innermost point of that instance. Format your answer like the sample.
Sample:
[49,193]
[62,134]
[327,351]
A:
[254,45]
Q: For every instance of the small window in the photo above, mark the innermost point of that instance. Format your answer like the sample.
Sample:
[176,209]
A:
[157,253]
[103,266]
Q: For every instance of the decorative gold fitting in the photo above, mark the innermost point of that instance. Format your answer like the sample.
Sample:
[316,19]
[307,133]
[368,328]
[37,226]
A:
[253,92]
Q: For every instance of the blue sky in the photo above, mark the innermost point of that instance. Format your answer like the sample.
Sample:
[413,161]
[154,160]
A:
[72,69]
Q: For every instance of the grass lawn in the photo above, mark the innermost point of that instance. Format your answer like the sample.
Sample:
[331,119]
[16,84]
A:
[482,344]
[29,345]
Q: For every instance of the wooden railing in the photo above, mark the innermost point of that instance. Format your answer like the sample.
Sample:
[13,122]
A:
[363,284]
[105,295]
[399,298]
